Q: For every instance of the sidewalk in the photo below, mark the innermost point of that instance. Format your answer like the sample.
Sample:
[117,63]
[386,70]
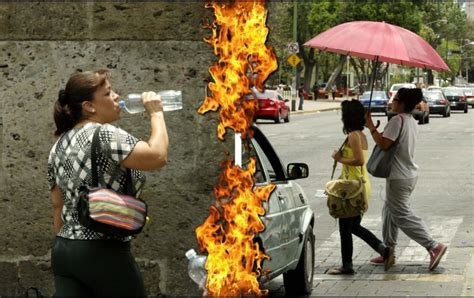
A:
[320,105]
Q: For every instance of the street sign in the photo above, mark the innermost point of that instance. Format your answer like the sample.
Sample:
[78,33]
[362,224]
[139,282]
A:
[293,48]
[294,60]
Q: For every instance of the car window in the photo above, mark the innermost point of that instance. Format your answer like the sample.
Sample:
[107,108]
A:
[248,152]
[266,162]
[453,92]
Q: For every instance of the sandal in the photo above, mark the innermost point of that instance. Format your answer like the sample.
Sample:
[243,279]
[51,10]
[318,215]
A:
[340,271]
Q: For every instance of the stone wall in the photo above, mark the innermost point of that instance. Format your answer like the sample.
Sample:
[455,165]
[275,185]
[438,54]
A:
[146,46]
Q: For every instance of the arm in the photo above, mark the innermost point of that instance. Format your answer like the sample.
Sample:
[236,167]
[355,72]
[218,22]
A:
[356,146]
[379,139]
[151,155]
[58,203]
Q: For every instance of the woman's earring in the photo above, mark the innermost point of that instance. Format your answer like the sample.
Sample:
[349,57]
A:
[93,110]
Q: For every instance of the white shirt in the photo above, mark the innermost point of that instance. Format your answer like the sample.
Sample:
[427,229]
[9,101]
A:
[403,166]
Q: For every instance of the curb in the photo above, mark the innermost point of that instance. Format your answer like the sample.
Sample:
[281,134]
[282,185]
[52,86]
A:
[314,111]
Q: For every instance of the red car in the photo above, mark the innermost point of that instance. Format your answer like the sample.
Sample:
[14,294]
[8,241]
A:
[271,106]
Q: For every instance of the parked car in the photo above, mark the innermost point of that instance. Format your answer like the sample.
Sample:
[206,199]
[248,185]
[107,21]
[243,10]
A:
[420,113]
[271,106]
[288,237]
[431,88]
[396,87]
[469,93]
[457,98]
[437,102]
[379,101]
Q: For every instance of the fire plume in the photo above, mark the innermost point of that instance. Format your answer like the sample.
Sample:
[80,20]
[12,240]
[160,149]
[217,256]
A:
[234,259]
[238,38]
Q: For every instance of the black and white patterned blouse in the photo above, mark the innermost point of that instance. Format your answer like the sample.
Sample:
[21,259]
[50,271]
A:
[69,167]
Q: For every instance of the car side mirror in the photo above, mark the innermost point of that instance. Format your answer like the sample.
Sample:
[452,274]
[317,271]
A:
[297,170]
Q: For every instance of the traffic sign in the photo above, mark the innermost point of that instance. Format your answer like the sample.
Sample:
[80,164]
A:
[294,60]
[293,48]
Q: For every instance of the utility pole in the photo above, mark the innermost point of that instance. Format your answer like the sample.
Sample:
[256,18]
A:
[295,35]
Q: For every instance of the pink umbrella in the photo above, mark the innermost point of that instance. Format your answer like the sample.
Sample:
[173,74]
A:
[379,41]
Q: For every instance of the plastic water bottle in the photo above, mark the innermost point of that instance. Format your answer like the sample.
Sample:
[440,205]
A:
[172,101]
[197,269]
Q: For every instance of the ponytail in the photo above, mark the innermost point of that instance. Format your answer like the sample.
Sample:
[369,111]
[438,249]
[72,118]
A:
[65,116]
[80,87]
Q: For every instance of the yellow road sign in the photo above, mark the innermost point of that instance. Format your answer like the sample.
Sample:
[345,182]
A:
[294,60]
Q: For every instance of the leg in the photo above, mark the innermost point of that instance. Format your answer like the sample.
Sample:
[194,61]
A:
[402,215]
[367,236]
[67,286]
[345,232]
[65,282]
[345,227]
[389,227]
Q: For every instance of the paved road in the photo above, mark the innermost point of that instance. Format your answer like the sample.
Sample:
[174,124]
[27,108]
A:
[443,198]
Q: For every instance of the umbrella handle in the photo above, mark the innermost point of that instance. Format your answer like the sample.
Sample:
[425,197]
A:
[378,124]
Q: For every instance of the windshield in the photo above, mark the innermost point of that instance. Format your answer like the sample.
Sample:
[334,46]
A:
[453,92]
[433,95]
[376,95]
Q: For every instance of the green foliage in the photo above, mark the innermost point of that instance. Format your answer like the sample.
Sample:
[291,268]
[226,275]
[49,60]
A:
[420,16]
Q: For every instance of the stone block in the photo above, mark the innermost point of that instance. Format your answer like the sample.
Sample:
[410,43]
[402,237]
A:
[178,20]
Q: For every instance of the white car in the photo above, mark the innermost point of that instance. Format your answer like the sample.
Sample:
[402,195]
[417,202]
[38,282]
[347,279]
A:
[288,237]
[396,87]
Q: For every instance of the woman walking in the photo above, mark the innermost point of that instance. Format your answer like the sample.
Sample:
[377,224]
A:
[87,263]
[401,182]
[353,157]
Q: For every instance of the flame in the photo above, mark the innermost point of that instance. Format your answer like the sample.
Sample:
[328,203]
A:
[227,235]
[234,259]
[244,60]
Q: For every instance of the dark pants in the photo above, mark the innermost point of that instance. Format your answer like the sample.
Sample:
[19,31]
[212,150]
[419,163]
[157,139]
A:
[300,106]
[349,226]
[95,268]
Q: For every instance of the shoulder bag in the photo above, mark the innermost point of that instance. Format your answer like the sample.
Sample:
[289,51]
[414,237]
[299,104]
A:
[346,197]
[106,211]
[380,161]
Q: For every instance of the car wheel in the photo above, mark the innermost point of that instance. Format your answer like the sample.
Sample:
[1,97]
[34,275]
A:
[300,280]
[465,109]
[445,114]
[287,119]
[278,117]
[421,120]
[449,112]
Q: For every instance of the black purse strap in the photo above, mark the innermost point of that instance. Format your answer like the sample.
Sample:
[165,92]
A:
[129,189]
[335,161]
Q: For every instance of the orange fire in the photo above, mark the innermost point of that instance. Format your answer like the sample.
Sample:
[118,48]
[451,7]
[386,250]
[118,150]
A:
[238,38]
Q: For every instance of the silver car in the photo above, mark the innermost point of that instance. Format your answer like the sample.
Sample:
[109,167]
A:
[288,237]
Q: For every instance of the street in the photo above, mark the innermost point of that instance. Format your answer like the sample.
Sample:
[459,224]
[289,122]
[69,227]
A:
[443,198]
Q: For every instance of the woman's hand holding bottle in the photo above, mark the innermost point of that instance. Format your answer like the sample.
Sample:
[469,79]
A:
[152,102]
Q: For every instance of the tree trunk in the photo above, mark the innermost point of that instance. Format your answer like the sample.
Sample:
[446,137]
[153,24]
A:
[430,77]
[336,72]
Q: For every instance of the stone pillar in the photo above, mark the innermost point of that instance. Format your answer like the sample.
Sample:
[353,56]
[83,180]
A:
[146,46]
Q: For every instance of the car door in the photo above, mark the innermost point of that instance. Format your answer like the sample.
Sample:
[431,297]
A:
[290,204]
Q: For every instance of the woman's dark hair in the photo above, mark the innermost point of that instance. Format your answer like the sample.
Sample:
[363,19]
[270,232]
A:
[410,97]
[80,87]
[353,116]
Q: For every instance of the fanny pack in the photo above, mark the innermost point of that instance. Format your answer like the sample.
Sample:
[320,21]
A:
[106,211]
